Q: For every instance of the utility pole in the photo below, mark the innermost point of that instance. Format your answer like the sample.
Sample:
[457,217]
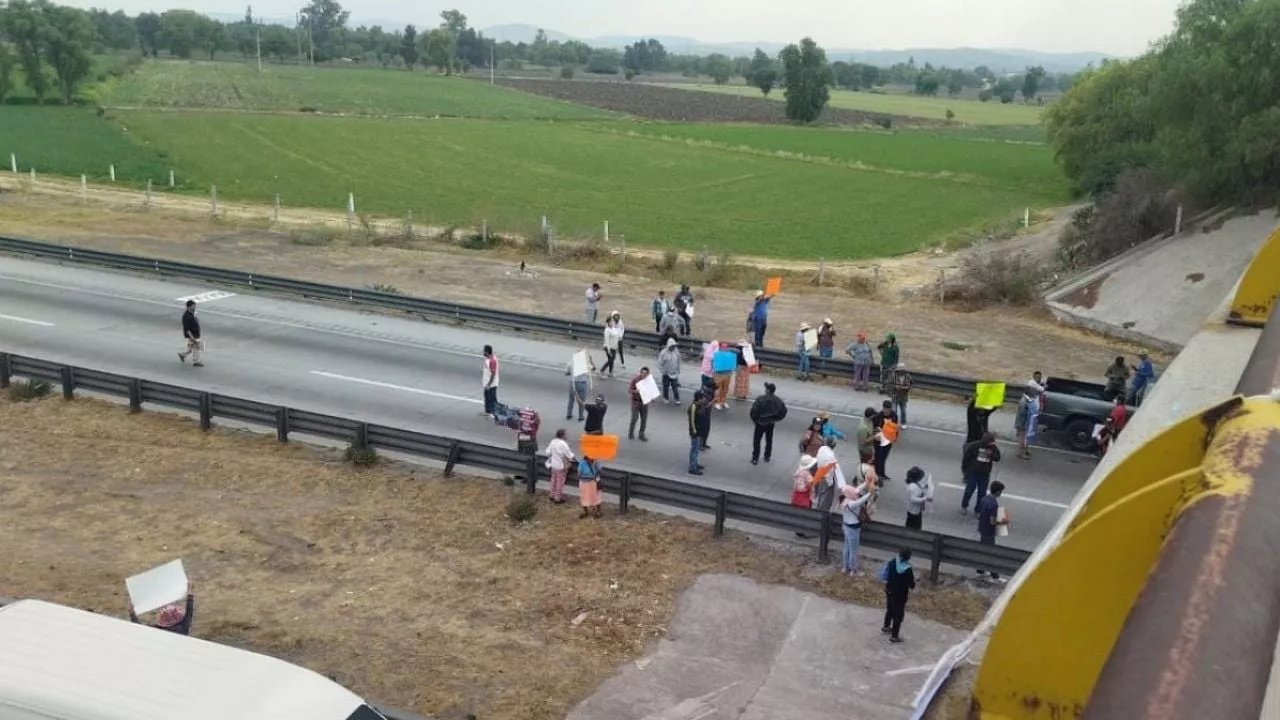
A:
[491,55]
[257,41]
[297,35]
[311,41]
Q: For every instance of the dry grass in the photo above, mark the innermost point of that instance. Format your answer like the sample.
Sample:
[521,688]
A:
[411,589]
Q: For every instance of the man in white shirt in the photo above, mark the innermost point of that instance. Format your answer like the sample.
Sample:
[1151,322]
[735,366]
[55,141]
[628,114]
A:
[489,380]
[593,302]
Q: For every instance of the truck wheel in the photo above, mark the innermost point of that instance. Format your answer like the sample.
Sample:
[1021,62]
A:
[1080,435]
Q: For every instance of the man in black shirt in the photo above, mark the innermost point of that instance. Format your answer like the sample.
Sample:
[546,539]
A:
[191,333]
[595,416]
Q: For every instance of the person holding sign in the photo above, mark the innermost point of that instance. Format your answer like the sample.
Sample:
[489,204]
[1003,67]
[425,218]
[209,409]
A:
[758,320]
[643,390]
[722,365]
[826,339]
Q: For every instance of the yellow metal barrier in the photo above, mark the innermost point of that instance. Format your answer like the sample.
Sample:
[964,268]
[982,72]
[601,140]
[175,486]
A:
[1259,286]
[1051,643]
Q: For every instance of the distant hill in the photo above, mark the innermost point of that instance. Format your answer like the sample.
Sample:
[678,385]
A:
[999,60]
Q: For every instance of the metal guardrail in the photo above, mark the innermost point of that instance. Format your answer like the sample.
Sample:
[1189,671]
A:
[452,312]
[721,505]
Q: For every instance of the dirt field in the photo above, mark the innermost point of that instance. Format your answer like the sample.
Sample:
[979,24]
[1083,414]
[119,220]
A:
[413,590]
[994,343]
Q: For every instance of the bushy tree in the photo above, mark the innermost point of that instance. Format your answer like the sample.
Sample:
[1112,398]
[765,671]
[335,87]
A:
[719,67]
[604,61]
[762,73]
[409,46]
[68,42]
[7,62]
[325,22]
[27,25]
[148,25]
[807,78]
[1031,82]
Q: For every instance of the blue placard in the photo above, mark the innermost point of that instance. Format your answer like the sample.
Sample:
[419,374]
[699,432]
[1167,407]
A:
[724,361]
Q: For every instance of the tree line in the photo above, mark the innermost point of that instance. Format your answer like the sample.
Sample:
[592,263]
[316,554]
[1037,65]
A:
[1199,113]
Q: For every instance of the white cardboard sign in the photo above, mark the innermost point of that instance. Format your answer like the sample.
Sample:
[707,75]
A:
[581,363]
[157,587]
[748,356]
[810,339]
[648,389]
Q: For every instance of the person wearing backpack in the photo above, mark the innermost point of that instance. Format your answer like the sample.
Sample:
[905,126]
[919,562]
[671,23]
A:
[899,580]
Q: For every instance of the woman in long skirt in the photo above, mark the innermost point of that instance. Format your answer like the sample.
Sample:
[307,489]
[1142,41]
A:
[742,375]
[589,486]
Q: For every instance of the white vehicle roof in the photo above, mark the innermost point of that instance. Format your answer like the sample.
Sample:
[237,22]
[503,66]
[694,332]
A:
[66,664]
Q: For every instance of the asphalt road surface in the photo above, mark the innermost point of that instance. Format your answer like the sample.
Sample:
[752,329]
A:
[404,372]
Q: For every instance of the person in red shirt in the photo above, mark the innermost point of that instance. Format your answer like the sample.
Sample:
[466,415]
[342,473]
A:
[489,380]
[1119,415]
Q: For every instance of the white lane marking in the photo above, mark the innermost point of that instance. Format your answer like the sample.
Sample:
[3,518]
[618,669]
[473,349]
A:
[389,386]
[28,321]
[1020,498]
[205,297]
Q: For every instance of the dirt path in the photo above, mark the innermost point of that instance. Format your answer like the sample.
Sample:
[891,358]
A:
[412,590]
[995,343]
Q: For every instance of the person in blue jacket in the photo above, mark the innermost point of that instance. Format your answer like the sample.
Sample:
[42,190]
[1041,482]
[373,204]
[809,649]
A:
[759,318]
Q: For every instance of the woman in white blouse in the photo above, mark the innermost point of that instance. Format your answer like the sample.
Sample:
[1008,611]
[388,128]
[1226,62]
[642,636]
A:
[612,343]
[559,459]
[622,331]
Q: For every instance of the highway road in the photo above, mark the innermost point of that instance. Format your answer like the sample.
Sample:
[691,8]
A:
[404,372]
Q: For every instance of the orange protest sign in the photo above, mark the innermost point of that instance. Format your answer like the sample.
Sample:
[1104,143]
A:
[773,286]
[599,447]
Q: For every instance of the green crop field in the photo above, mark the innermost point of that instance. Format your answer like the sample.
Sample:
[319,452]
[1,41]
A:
[74,141]
[655,192]
[363,91]
[967,111]
[1013,166]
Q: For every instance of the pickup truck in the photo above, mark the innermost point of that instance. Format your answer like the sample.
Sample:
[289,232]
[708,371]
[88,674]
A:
[1074,407]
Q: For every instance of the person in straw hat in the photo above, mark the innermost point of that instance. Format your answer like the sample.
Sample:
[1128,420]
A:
[801,495]
[802,353]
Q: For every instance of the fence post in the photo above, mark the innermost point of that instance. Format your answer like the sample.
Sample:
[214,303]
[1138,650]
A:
[275,212]
[135,395]
[113,172]
[824,537]
[351,211]
[84,189]
[31,185]
[624,249]
[206,411]
[1177,221]
[606,232]
[706,259]
[408,224]
[68,383]
[531,475]
[214,199]
[822,269]
[13,163]
[362,437]
[1026,218]
[935,560]
[172,183]
[282,424]
[624,494]
[484,231]
[942,285]
[875,285]
[455,452]
[147,202]
[722,512]
[6,370]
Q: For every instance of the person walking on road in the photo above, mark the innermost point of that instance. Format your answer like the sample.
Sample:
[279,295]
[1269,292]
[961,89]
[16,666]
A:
[669,368]
[991,517]
[826,339]
[589,486]
[899,580]
[595,416]
[621,329]
[976,464]
[191,334]
[919,496]
[802,353]
[722,379]
[684,307]
[742,372]
[579,390]
[890,354]
[659,310]
[639,409]
[593,302]
[899,391]
[708,364]
[699,429]
[612,341]
[852,511]
[801,494]
[859,351]
[767,411]
[758,320]
[559,459]
[669,326]
[489,380]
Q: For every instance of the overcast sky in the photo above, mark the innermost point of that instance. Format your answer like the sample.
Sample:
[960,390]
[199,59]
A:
[1117,27]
